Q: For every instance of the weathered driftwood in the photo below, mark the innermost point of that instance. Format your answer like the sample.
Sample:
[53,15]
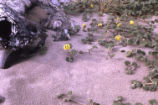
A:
[22,24]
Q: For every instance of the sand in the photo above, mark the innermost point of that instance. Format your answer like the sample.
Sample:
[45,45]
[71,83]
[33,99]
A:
[39,79]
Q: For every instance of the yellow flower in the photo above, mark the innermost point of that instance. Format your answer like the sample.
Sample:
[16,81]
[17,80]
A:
[92,6]
[100,25]
[131,22]
[118,18]
[67,46]
[119,24]
[118,37]
[84,25]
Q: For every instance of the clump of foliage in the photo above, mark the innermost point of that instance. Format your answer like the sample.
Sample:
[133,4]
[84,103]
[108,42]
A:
[69,97]
[136,35]
[95,25]
[75,30]
[130,67]
[93,103]
[151,81]
[70,55]
[133,7]
[130,53]
[109,44]
[120,101]
[136,84]
[133,35]
[153,102]
[80,6]
[74,8]
[91,49]
[66,97]
[138,103]
[89,39]
[119,7]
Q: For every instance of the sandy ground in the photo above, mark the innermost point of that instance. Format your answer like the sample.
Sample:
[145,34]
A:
[39,79]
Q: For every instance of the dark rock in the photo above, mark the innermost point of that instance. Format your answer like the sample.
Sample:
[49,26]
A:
[2,99]
[24,24]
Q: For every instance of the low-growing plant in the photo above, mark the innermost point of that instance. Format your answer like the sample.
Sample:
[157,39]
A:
[136,84]
[86,7]
[109,44]
[69,97]
[133,7]
[138,103]
[120,101]
[70,55]
[75,30]
[135,35]
[89,39]
[130,67]
[153,102]
[95,25]
[66,97]
[130,53]
[91,49]
[93,102]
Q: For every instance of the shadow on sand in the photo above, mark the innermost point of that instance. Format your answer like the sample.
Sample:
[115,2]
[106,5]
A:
[22,55]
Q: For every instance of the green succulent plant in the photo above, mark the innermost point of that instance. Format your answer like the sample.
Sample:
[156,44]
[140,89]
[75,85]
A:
[136,84]
[138,104]
[89,39]
[130,67]
[153,102]
[120,101]
[133,7]
[134,36]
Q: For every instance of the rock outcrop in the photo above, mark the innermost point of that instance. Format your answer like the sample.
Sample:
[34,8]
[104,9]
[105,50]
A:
[24,24]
